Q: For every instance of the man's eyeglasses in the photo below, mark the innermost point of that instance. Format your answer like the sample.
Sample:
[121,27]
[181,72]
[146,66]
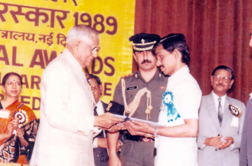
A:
[93,49]
[94,88]
[225,79]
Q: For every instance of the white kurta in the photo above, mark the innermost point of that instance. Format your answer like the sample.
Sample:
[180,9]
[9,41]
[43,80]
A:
[66,116]
[180,101]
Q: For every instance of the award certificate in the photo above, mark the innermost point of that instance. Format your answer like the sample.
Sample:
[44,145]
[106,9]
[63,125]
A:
[125,118]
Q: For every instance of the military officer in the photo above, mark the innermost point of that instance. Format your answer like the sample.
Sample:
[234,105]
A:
[141,95]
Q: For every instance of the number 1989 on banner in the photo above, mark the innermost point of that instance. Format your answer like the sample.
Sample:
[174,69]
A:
[98,22]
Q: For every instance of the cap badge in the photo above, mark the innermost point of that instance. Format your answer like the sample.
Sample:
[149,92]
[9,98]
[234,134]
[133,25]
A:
[142,41]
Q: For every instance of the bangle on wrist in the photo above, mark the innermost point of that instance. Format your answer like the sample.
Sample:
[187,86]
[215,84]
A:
[155,131]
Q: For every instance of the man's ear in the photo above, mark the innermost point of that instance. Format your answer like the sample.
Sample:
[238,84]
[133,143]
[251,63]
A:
[177,53]
[76,44]
[211,78]
[101,88]
[134,56]
[231,83]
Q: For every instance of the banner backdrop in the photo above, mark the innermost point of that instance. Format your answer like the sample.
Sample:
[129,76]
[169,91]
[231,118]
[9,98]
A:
[33,33]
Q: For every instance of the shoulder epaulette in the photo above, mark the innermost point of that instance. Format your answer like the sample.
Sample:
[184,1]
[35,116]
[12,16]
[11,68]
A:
[127,75]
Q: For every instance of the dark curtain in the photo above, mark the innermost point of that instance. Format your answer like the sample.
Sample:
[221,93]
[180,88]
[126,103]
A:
[217,33]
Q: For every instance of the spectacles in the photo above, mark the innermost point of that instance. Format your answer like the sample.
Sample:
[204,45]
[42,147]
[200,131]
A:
[93,49]
[225,79]
[94,88]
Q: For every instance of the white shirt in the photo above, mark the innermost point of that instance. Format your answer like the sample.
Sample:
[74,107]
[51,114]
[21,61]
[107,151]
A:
[182,99]
[216,101]
[100,111]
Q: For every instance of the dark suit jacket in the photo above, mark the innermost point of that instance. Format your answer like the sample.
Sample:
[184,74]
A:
[246,142]
[101,154]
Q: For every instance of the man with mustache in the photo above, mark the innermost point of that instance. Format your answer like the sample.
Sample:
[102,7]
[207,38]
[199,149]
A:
[220,122]
[138,150]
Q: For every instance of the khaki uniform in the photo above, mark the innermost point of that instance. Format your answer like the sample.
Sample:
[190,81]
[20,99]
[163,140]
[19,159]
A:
[134,151]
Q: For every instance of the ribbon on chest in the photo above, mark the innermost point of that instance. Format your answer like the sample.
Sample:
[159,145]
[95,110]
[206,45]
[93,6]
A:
[172,113]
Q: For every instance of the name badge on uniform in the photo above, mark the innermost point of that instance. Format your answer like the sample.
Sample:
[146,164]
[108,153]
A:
[132,88]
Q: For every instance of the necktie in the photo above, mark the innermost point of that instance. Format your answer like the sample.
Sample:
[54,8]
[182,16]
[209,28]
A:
[220,113]
[95,112]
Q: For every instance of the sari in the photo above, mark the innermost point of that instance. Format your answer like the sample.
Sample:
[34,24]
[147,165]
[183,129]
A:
[11,150]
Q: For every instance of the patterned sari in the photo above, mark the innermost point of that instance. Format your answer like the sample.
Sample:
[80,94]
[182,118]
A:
[11,150]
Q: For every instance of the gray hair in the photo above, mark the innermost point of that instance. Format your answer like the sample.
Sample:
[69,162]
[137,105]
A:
[80,31]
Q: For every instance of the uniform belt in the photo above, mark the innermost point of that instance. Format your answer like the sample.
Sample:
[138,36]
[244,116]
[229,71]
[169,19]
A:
[138,138]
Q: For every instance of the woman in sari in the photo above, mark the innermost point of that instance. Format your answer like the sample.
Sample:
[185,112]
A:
[19,143]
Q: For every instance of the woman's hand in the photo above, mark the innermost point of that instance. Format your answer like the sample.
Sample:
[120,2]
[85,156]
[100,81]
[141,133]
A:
[9,130]
[15,123]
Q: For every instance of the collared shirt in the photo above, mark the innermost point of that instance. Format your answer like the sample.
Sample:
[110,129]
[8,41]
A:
[100,111]
[216,101]
[180,101]
[184,95]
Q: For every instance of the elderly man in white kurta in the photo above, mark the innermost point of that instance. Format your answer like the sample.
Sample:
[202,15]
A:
[66,116]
